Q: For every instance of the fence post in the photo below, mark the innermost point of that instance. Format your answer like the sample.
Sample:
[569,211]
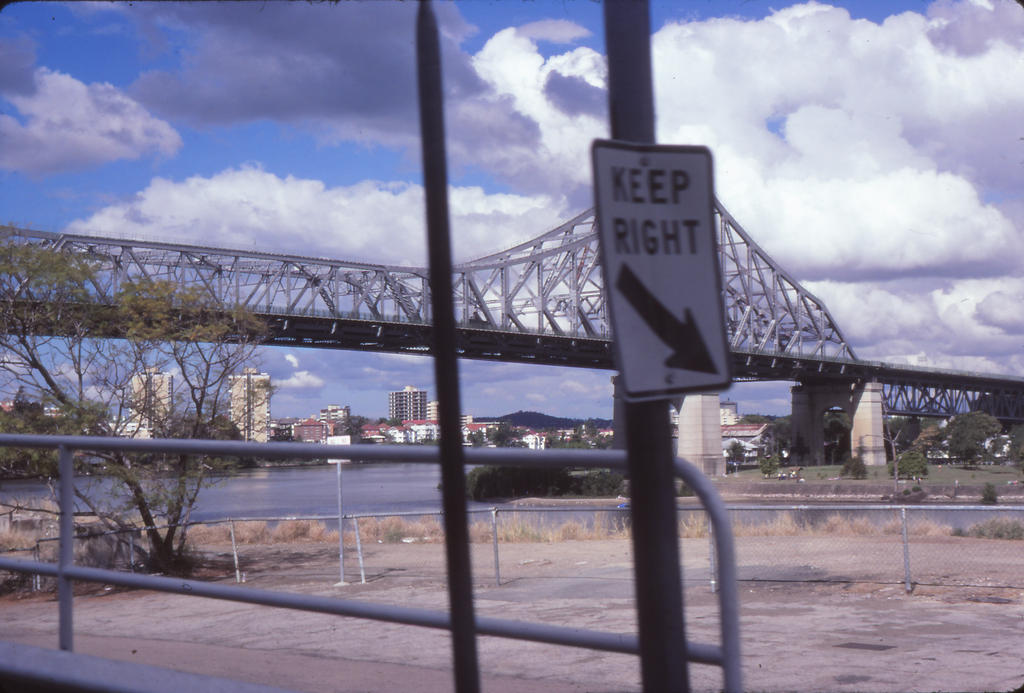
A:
[712,557]
[341,534]
[359,550]
[36,582]
[906,551]
[67,547]
[234,550]
[494,536]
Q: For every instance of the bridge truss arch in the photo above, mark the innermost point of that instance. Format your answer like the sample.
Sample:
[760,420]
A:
[541,301]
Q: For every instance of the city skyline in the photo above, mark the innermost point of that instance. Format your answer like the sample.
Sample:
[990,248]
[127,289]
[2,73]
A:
[871,148]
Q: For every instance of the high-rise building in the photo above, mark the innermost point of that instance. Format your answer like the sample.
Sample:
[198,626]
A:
[250,404]
[406,404]
[150,401]
[335,416]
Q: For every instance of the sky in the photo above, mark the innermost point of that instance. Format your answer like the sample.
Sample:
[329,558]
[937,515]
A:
[873,149]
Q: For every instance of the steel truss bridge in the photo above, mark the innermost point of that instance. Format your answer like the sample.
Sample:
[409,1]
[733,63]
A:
[540,302]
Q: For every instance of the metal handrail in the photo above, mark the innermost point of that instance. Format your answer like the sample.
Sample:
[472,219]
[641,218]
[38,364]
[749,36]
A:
[726,655]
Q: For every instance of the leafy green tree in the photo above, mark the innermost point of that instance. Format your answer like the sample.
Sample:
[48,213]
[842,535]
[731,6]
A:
[502,435]
[967,434]
[81,360]
[912,464]
[736,452]
[1015,454]
[769,466]
[353,426]
[837,434]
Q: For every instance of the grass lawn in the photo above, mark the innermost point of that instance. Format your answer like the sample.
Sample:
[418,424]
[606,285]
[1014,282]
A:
[937,474]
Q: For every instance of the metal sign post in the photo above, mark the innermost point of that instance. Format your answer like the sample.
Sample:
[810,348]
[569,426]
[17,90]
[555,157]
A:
[653,237]
[446,368]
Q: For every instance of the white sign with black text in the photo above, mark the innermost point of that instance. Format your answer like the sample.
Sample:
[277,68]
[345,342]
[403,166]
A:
[661,275]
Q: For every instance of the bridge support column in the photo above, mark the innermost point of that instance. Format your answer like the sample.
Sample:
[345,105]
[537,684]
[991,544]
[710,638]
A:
[807,438]
[862,402]
[867,437]
[618,416]
[700,433]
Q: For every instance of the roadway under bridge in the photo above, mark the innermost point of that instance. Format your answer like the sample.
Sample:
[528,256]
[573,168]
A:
[543,302]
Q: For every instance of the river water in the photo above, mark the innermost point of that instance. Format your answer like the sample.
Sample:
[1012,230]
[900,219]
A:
[288,491]
[387,488]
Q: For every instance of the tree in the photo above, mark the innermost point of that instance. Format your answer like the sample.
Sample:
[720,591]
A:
[900,434]
[912,465]
[768,465]
[736,452]
[968,433]
[154,363]
[353,426]
[502,435]
[1015,454]
[837,434]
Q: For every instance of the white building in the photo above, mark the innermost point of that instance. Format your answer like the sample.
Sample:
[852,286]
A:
[250,404]
[151,393]
[535,441]
[423,431]
[410,403]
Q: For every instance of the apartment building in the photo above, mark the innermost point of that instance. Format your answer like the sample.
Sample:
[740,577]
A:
[410,403]
[250,404]
[336,417]
[150,403]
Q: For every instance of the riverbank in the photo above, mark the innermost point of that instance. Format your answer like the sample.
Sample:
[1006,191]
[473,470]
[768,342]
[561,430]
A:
[853,491]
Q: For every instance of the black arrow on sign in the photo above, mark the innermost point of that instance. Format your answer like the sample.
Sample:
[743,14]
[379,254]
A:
[688,349]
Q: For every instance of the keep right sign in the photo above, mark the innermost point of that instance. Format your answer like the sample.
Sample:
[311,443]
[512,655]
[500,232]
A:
[661,274]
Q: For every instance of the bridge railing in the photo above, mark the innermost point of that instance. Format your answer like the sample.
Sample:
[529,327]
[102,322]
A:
[725,654]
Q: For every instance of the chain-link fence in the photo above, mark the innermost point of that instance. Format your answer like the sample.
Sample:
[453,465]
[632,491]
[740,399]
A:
[911,545]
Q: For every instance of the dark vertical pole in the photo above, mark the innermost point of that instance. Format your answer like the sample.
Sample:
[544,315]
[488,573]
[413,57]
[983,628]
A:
[659,594]
[66,555]
[446,376]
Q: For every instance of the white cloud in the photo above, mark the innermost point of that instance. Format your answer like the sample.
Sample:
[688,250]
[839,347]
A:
[69,125]
[292,359]
[878,163]
[553,30]
[518,75]
[372,221]
[303,380]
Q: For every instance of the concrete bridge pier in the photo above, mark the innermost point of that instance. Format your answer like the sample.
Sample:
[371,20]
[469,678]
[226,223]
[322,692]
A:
[700,432]
[862,402]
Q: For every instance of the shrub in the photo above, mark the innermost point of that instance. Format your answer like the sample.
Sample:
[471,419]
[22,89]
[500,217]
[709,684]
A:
[989,495]
[510,482]
[997,529]
[597,482]
[854,468]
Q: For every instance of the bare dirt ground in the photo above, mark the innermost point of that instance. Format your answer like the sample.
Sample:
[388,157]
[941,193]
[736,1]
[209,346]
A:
[829,634]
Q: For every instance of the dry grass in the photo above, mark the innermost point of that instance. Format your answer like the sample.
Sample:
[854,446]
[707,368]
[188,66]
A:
[785,525]
[524,529]
[302,531]
[392,530]
[693,527]
[16,540]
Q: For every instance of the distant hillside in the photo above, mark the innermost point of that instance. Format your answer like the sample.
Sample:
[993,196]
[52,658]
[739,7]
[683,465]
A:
[536,420]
